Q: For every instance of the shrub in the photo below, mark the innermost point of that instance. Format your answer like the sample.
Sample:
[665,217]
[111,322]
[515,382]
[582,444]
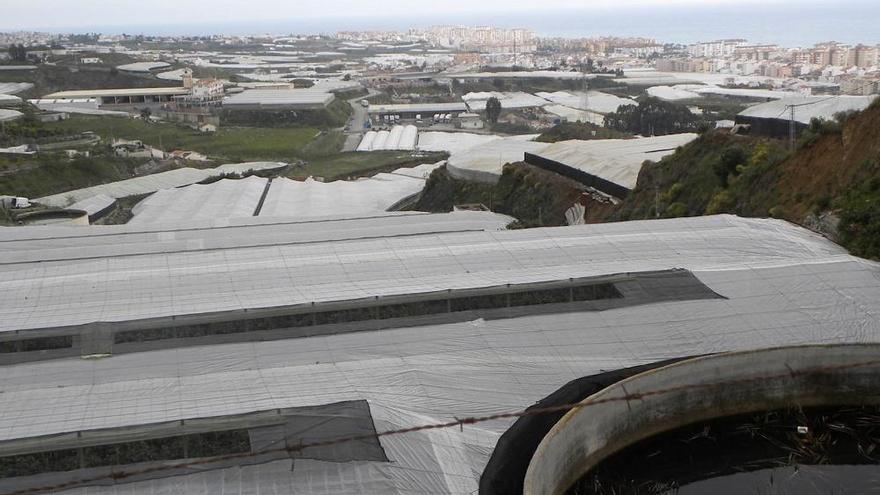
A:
[860,219]
[675,210]
[731,157]
[721,202]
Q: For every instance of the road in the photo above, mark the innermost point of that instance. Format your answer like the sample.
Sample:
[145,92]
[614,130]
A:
[356,125]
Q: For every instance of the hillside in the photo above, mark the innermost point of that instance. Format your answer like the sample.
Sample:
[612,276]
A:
[834,174]
[535,197]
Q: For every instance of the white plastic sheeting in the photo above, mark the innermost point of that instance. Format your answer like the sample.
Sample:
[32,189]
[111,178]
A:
[380,140]
[746,92]
[596,101]
[238,278]
[143,66]
[66,243]
[783,285]
[809,107]
[399,138]
[484,163]
[94,204]
[9,100]
[280,98]
[476,102]
[409,138]
[9,115]
[672,93]
[152,183]
[549,74]
[616,160]
[172,75]
[11,88]
[366,143]
[393,141]
[452,142]
[574,115]
[226,198]
[84,106]
[309,198]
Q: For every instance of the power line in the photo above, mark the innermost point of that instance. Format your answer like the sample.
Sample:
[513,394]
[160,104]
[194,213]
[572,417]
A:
[457,422]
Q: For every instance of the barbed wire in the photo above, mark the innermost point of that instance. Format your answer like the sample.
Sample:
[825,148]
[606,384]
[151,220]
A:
[457,422]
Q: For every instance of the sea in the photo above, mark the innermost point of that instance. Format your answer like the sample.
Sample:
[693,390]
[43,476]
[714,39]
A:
[789,24]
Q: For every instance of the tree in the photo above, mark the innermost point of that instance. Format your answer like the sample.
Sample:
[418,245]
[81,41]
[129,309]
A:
[731,157]
[653,117]
[493,109]
[18,53]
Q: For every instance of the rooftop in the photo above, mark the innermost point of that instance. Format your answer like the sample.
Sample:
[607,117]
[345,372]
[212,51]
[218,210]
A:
[97,93]
[292,98]
[808,107]
[419,107]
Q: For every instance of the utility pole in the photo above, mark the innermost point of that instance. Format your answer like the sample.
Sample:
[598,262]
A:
[791,128]
[514,50]
[585,101]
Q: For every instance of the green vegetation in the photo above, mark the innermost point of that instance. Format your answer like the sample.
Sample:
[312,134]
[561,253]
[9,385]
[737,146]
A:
[335,115]
[51,78]
[580,130]
[325,144]
[493,109]
[511,128]
[350,94]
[716,173]
[379,99]
[50,173]
[859,209]
[834,174]
[27,129]
[339,166]
[653,117]
[228,143]
[17,53]
[122,211]
[534,196]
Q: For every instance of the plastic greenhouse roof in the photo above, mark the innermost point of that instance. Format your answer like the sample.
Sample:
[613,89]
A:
[782,286]
[224,198]
[152,183]
[486,161]
[309,198]
[596,101]
[822,107]
[616,160]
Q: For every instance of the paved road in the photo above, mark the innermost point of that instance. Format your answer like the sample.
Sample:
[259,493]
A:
[356,125]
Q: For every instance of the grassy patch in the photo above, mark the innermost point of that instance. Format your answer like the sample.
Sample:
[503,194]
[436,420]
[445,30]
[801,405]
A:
[52,78]
[229,143]
[326,144]
[52,173]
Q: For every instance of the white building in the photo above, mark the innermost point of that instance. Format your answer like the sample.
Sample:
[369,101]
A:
[715,49]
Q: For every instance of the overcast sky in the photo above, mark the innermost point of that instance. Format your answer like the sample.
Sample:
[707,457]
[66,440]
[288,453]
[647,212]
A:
[24,14]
